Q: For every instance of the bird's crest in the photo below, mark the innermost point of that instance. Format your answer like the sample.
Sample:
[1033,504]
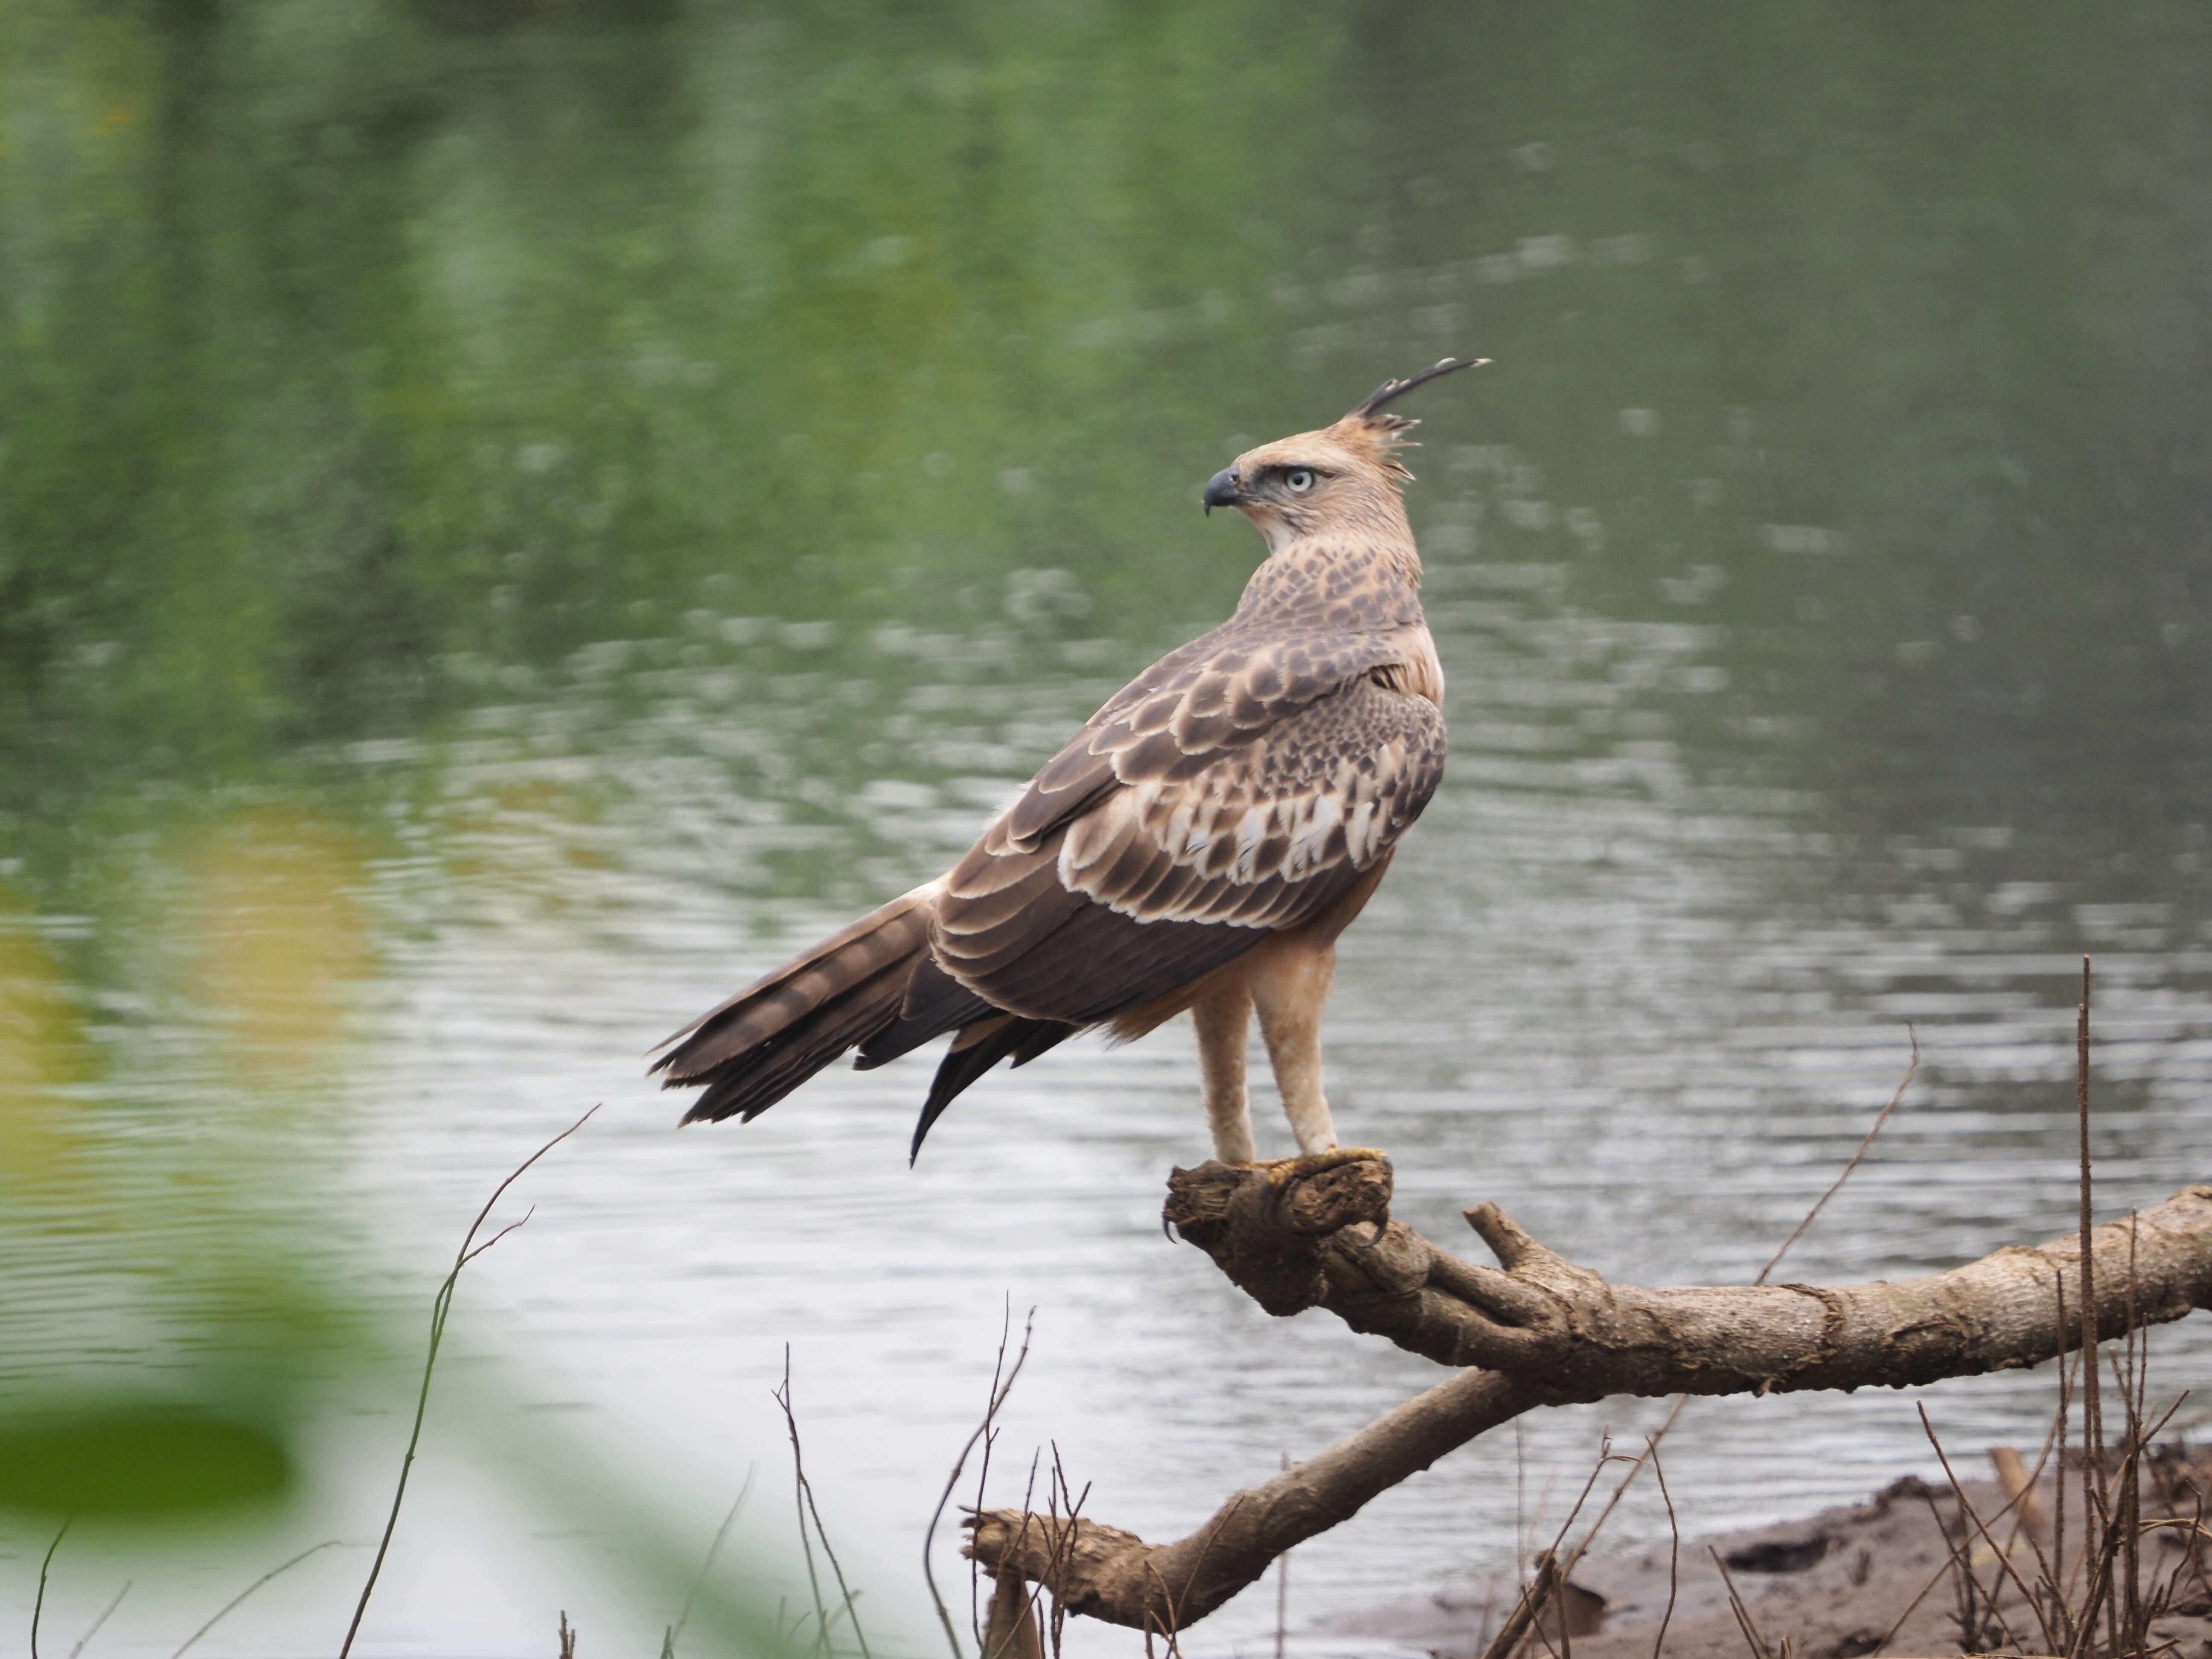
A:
[1370,430]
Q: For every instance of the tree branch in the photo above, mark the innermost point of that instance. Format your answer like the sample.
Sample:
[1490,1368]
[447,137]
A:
[1539,1330]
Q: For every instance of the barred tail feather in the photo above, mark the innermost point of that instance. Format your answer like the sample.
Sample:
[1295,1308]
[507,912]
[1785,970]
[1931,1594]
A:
[769,1038]
[748,1085]
[875,987]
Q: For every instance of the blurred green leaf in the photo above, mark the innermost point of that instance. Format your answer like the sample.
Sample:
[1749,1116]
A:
[131,1461]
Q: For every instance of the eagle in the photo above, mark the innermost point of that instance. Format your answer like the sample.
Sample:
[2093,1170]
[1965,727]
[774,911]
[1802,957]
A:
[1196,848]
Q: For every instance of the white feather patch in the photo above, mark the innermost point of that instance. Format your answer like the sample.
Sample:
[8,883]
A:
[1320,817]
[1251,831]
[1358,836]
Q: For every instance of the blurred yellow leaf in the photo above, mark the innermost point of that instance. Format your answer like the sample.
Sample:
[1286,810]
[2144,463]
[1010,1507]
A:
[277,933]
[41,1048]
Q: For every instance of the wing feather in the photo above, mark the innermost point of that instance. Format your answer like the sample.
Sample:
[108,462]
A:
[1173,870]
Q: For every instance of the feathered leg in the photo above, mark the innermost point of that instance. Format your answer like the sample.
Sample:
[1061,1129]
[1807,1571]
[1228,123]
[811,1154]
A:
[1222,1018]
[1289,987]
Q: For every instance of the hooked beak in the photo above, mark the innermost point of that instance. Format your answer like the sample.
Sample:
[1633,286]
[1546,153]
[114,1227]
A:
[1221,490]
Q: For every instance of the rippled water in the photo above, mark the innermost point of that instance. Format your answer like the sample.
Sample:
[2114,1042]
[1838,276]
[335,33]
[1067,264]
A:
[1648,1015]
[1826,657]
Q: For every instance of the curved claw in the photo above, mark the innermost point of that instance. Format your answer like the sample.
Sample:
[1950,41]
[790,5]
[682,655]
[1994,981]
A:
[1381,1228]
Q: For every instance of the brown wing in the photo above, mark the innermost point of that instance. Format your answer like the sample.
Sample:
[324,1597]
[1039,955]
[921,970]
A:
[1217,694]
[1179,829]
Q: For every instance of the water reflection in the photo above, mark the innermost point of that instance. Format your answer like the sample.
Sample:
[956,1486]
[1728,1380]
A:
[516,516]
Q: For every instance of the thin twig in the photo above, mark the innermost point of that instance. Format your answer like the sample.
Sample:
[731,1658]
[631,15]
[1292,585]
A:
[2092,1401]
[2046,1574]
[1620,1489]
[1064,1538]
[82,1640]
[2061,1574]
[1972,1515]
[983,1467]
[328,1543]
[1074,1512]
[668,1644]
[1551,1572]
[39,1606]
[1742,1614]
[1674,1412]
[810,1511]
[1673,1546]
[998,1394]
[1204,1548]
[1913,1606]
[975,1567]
[2094,1516]
[1526,1609]
[1856,1158]
[1962,1576]
[2133,1375]
[783,1397]
[983,1640]
[441,1305]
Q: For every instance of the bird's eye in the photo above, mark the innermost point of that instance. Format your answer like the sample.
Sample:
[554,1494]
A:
[1300,479]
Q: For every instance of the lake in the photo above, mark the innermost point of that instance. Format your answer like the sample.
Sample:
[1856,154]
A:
[514,518]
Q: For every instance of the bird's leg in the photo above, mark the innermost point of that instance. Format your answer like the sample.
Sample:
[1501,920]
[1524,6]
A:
[1289,988]
[1222,1019]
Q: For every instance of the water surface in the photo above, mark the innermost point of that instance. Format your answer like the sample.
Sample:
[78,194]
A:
[517,518]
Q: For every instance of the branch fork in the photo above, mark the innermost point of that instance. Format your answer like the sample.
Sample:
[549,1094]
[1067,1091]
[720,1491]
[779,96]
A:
[1539,1329]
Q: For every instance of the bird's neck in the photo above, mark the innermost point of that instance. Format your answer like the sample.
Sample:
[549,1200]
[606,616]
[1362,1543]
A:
[1365,580]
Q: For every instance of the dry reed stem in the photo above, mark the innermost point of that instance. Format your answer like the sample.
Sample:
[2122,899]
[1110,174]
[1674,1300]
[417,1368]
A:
[440,1306]
[1526,1609]
[227,1606]
[114,1602]
[2094,1514]
[1674,1413]
[669,1635]
[1970,1514]
[999,1390]
[39,1606]
[1545,1587]
[1674,1547]
[983,1473]
[809,1512]
[1743,1619]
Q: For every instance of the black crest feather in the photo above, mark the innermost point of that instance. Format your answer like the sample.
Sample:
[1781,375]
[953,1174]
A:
[1390,390]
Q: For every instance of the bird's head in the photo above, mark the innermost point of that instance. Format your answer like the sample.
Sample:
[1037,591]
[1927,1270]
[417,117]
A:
[1344,477]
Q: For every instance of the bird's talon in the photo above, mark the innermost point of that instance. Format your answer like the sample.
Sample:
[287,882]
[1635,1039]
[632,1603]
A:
[1280,1171]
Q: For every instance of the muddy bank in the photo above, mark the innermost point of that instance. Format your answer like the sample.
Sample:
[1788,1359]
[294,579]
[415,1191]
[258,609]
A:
[1888,1576]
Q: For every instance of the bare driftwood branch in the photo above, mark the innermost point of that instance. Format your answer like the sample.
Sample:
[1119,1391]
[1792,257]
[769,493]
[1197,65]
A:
[1323,1239]
[1538,1330]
